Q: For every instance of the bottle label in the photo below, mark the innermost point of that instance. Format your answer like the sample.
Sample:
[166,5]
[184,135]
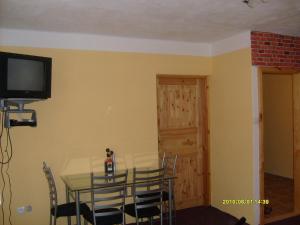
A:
[109,167]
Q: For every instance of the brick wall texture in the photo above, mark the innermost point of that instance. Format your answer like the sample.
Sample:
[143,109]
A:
[275,50]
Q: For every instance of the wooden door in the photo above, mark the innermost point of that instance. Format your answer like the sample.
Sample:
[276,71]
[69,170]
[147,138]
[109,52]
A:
[182,130]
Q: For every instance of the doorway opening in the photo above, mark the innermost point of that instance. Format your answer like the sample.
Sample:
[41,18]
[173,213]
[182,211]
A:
[280,117]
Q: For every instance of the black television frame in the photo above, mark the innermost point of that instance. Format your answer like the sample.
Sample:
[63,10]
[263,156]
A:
[24,94]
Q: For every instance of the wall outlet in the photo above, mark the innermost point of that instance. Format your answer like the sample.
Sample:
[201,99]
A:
[24,209]
[21,210]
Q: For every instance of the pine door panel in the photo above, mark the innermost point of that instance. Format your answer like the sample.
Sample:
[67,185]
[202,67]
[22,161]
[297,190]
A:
[180,130]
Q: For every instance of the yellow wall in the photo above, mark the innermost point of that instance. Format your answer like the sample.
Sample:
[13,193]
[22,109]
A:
[231,132]
[99,100]
[105,99]
[278,124]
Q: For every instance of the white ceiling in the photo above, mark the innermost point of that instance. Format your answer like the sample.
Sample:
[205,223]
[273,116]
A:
[179,20]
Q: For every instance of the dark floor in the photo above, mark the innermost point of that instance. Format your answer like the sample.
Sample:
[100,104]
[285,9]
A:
[290,221]
[279,190]
[203,215]
[207,215]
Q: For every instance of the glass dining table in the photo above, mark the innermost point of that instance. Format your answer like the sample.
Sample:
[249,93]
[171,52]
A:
[79,184]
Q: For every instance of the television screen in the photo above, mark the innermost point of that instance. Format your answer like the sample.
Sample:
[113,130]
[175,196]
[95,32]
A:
[24,76]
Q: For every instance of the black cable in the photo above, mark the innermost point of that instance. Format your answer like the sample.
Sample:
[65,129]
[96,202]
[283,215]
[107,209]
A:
[1,170]
[9,157]
[9,143]
[3,163]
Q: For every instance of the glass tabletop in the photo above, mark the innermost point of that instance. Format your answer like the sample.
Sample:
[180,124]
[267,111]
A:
[82,182]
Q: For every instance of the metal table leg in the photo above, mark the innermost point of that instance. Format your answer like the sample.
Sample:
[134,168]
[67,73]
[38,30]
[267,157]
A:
[170,201]
[77,199]
[68,201]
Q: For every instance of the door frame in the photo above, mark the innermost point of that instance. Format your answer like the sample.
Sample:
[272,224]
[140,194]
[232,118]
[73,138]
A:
[206,133]
[261,72]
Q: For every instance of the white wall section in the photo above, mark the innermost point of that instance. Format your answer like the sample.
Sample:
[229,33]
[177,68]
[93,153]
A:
[236,42]
[256,163]
[42,39]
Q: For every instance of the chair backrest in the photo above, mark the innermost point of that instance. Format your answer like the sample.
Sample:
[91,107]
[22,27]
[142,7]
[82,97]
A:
[169,163]
[108,192]
[51,184]
[147,188]
[141,175]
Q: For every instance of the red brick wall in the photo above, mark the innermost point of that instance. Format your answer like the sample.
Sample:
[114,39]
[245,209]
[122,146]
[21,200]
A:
[275,50]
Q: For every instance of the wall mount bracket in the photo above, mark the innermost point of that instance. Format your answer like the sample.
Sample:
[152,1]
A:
[12,106]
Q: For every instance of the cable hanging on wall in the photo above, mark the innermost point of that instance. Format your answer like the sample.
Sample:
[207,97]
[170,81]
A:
[6,152]
[24,79]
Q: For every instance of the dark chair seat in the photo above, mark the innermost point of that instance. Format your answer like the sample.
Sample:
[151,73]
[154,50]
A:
[151,195]
[69,209]
[142,213]
[165,195]
[104,220]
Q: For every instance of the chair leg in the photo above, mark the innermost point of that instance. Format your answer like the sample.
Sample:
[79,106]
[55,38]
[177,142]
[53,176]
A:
[50,218]
[124,219]
[55,213]
[85,222]
[166,209]
[161,217]
[174,210]
[69,220]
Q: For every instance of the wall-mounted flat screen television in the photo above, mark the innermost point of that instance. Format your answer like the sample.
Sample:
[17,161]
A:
[25,76]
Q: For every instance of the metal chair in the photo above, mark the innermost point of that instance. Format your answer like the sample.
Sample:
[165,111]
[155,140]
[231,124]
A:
[107,199]
[241,221]
[169,164]
[62,210]
[147,195]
